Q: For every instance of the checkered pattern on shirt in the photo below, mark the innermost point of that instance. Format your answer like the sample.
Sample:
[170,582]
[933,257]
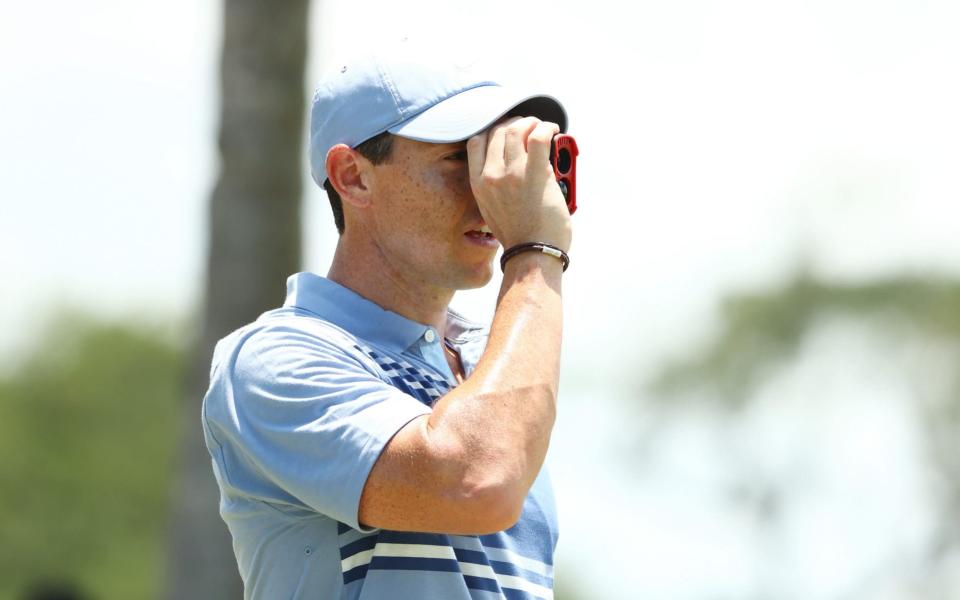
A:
[420,384]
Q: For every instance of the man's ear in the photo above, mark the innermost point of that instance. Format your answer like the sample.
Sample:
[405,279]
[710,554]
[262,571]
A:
[348,172]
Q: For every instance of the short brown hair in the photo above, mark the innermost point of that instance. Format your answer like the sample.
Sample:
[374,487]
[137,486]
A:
[377,150]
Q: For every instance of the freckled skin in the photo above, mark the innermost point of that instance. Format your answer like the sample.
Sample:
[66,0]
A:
[423,207]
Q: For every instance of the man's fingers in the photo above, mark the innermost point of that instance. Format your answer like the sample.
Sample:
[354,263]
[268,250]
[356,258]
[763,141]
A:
[476,155]
[515,143]
[538,142]
[493,161]
[499,136]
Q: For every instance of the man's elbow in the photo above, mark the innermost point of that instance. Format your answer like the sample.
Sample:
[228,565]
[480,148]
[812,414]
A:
[494,506]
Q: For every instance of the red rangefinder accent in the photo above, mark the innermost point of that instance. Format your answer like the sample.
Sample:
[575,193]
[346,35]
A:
[563,157]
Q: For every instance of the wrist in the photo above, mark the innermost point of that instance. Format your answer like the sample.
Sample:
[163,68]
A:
[558,235]
[531,266]
[541,251]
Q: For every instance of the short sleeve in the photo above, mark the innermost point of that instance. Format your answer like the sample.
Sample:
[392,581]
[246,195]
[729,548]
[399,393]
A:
[299,419]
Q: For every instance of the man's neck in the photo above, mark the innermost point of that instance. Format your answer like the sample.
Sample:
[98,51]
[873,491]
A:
[367,274]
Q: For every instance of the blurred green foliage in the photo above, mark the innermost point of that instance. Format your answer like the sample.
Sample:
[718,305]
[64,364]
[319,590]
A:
[87,436]
[763,330]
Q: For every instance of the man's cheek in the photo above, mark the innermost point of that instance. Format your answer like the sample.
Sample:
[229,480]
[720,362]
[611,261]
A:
[457,182]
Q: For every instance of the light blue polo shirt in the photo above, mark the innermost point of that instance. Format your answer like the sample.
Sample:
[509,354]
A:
[300,405]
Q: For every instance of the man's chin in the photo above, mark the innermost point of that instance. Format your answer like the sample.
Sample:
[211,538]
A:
[478,278]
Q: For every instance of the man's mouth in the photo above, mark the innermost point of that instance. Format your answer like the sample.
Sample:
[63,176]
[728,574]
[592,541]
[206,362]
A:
[482,233]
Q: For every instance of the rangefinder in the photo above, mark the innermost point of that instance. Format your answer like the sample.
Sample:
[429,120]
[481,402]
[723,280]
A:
[563,158]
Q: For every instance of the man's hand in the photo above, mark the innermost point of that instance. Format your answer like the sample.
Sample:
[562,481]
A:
[514,184]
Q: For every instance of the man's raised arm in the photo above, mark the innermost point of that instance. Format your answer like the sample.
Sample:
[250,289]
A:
[467,467]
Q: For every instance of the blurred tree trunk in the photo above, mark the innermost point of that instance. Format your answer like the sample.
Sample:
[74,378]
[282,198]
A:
[254,245]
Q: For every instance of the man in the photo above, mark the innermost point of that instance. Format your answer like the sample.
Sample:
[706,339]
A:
[368,442]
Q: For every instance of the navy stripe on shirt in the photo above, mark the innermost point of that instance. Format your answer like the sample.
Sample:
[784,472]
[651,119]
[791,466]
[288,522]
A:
[420,384]
[434,564]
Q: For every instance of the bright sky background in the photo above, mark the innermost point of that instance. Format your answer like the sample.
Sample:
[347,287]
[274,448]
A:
[722,144]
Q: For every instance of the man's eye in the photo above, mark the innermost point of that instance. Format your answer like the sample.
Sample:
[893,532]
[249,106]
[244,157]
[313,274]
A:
[462,155]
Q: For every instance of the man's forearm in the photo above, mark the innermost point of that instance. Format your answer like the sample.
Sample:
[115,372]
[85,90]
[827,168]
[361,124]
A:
[503,414]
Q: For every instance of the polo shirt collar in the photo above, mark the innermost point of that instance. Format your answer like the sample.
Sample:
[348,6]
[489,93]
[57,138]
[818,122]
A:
[351,311]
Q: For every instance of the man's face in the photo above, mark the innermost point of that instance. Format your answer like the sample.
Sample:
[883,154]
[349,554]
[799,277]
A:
[425,219]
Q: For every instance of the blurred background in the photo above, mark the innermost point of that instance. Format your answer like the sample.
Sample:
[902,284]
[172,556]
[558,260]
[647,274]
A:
[761,383]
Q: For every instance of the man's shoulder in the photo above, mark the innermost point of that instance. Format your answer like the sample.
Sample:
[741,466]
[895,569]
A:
[284,336]
[292,322]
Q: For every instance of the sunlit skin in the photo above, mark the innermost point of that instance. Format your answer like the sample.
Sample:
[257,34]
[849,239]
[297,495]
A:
[407,245]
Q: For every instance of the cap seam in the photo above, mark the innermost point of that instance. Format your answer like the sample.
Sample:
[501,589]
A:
[388,83]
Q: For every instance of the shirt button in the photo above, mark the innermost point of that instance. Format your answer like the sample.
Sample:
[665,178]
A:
[430,336]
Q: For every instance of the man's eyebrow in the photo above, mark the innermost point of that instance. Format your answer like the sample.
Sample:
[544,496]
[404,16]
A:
[448,147]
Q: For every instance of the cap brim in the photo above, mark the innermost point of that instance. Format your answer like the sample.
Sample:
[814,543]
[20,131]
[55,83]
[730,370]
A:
[471,111]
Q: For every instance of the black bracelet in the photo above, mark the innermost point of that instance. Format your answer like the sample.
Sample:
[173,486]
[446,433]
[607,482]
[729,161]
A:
[534,246]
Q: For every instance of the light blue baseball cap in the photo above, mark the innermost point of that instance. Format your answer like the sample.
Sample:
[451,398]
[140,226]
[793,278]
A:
[412,97]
